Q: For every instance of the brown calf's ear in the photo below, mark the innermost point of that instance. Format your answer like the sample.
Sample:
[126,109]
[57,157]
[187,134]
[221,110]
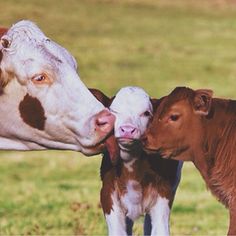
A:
[155,103]
[202,101]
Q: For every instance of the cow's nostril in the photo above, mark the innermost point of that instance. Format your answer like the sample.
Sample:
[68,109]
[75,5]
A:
[104,121]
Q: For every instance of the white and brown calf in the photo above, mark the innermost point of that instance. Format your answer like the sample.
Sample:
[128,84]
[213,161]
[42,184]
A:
[43,102]
[139,183]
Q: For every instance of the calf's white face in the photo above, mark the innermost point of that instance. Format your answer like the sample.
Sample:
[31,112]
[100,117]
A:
[133,110]
[43,102]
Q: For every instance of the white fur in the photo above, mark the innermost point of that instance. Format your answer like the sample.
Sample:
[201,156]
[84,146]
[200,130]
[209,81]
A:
[129,106]
[160,213]
[116,219]
[69,107]
[132,200]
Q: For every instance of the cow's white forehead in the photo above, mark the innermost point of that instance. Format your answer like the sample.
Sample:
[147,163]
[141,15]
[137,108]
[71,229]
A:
[25,31]
[26,35]
[131,97]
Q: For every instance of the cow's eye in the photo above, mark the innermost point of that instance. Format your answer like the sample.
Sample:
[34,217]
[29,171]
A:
[41,79]
[147,113]
[174,117]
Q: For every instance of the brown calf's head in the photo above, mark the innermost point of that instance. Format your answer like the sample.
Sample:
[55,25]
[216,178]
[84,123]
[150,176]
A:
[177,124]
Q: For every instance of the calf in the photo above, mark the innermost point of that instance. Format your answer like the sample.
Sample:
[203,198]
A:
[138,183]
[191,125]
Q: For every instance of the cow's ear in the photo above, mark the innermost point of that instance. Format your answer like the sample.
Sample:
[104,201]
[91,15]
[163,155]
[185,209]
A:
[202,101]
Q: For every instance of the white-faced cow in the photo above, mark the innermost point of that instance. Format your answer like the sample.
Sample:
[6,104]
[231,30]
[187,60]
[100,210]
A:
[137,183]
[190,125]
[43,102]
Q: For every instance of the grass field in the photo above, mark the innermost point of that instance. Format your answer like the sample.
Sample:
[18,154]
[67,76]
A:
[157,45]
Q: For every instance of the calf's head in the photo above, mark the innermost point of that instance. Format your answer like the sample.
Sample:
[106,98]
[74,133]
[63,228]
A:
[177,128]
[133,110]
[43,102]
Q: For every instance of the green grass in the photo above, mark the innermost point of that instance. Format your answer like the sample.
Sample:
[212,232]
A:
[155,44]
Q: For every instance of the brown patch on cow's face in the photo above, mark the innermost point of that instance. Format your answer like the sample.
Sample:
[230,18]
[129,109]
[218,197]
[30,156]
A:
[32,112]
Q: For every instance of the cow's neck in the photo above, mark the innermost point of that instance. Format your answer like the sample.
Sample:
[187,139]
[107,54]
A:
[219,139]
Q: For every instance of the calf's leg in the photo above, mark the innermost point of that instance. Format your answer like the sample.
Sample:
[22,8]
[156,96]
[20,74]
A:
[147,227]
[160,214]
[115,216]
[129,225]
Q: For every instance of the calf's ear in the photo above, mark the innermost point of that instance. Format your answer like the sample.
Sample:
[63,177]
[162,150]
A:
[155,103]
[202,101]
[101,97]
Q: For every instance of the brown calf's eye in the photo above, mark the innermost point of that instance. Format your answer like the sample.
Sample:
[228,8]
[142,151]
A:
[174,117]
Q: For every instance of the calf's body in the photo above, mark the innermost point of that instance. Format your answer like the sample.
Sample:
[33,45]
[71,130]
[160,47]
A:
[139,183]
[201,129]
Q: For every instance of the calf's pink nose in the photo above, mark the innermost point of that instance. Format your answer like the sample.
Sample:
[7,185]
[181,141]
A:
[127,131]
[104,121]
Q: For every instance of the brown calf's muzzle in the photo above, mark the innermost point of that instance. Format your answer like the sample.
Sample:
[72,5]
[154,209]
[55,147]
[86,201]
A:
[147,143]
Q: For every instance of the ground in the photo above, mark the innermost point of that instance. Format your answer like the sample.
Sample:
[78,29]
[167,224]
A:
[157,45]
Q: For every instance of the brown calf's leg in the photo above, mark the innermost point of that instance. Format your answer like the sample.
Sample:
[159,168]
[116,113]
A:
[232,223]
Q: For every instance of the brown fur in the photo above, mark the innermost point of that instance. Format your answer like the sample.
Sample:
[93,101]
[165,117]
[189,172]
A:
[155,175]
[3,30]
[2,82]
[100,96]
[32,112]
[205,133]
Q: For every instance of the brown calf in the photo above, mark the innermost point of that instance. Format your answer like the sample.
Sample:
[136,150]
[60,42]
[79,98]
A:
[192,126]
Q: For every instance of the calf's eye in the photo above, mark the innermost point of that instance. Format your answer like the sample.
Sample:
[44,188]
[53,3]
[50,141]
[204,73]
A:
[174,117]
[147,113]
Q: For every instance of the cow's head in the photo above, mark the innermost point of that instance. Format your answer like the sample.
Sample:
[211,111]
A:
[43,102]
[133,110]
[177,124]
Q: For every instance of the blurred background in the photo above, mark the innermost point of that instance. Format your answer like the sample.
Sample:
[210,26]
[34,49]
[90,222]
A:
[155,44]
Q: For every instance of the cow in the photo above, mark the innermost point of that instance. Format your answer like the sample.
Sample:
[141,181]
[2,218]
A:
[191,125]
[43,102]
[135,183]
